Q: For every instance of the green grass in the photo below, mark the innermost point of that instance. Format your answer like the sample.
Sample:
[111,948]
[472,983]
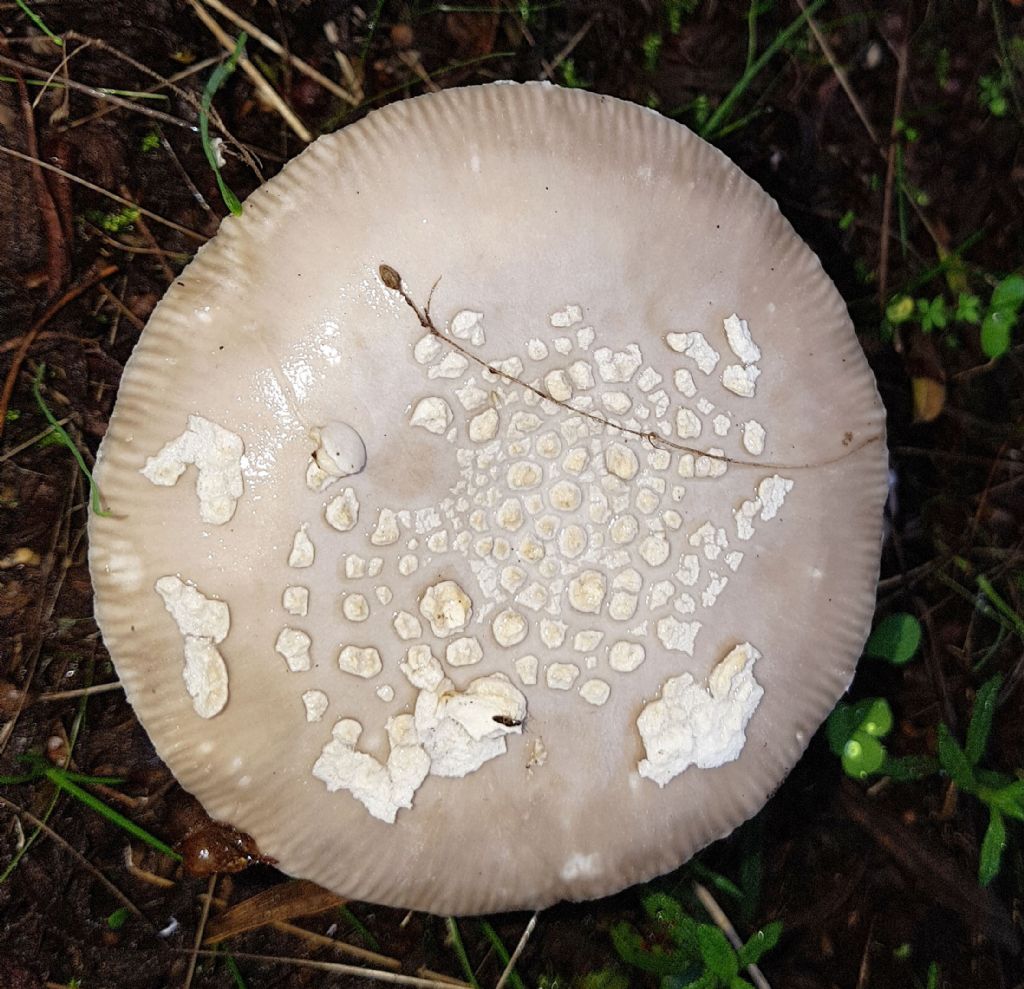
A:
[217,79]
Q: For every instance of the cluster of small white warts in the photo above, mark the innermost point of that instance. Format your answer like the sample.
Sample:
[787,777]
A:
[573,465]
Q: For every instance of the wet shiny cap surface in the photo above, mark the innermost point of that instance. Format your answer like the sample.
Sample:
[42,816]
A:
[496,504]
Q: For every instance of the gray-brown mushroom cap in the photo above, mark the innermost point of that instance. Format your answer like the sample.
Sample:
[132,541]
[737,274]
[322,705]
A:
[525,595]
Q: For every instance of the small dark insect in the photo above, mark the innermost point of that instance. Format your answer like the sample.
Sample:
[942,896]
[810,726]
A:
[507,721]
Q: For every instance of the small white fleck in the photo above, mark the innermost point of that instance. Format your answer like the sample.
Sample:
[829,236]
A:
[739,379]
[561,676]
[315,702]
[385,692]
[526,669]
[509,627]
[466,651]
[624,657]
[342,512]
[753,437]
[355,608]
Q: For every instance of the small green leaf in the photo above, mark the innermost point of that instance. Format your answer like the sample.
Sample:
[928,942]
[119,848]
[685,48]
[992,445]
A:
[118,918]
[862,755]
[878,719]
[954,760]
[995,332]
[719,956]
[1009,293]
[760,943]
[900,309]
[895,639]
[968,309]
[981,719]
[992,848]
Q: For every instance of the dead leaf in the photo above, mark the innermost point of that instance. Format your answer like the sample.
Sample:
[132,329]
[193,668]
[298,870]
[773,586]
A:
[929,399]
[298,898]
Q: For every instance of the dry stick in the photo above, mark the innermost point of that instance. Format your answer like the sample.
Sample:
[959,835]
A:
[31,441]
[890,174]
[189,97]
[256,77]
[412,61]
[840,73]
[207,900]
[321,940]
[520,947]
[66,695]
[351,79]
[61,66]
[139,324]
[99,94]
[844,82]
[567,50]
[278,49]
[89,867]
[723,923]
[337,968]
[392,280]
[156,217]
[87,282]
[57,263]
[151,240]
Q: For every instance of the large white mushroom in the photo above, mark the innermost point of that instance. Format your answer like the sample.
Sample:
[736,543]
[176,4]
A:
[510,515]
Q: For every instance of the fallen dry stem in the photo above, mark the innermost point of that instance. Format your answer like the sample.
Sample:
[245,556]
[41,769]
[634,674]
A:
[519,949]
[393,280]
[339,968]
[77,855]
[278,49]
[257,78]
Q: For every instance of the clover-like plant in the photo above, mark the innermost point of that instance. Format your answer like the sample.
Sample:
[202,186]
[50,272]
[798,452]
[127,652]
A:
[687,954]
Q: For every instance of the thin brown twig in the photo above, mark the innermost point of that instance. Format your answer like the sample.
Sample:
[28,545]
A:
[83,285]
[255,76]
[840,73]
[322,941]
[337,968]
[890,174]
[392,280]
[278,49]
[77,855]
[197,943]
[569,47]
[140,222]
[194,234]
[57,263]
[67,695]
[99,94]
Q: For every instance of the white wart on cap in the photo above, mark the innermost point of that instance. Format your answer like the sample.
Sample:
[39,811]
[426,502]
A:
[503,532]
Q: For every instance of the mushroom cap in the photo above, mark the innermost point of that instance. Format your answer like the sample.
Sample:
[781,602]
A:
[611,299]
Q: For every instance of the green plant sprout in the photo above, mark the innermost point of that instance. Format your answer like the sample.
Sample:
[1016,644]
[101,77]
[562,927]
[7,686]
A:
[716,123]
[854,733]
[992,94]
[115,221]
[1003,795]
[503,954]
[39,22]
[997,324]
[675,10]
[217,79]
[455,940]
[61,433]
[571,76]
[895,639]
[686,954]
[69,782]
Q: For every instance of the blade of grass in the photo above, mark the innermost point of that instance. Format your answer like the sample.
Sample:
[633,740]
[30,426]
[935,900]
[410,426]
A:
[132,93]
[998,602]
[217,79]
[39,23]
[60,780]
[360,928]
[460,951]
[94,492]
[502,952]
[719,117]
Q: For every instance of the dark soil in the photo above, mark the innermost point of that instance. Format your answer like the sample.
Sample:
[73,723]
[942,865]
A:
[874,882]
